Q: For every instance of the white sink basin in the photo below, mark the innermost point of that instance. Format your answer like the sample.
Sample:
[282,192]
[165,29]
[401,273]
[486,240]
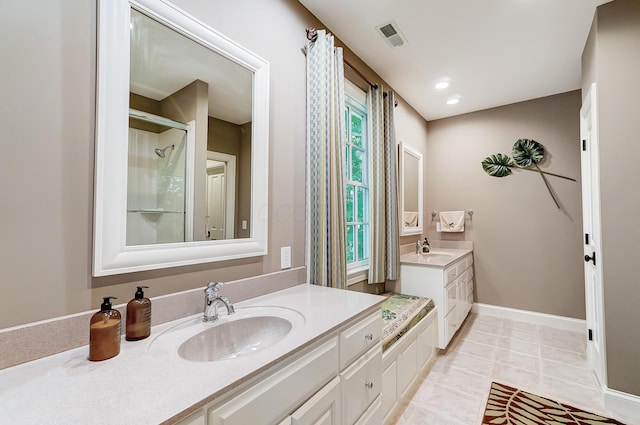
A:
[250,330]
[235,338]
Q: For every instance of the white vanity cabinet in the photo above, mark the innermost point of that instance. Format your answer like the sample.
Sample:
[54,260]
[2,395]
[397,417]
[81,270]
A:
[334,381]
[450,287]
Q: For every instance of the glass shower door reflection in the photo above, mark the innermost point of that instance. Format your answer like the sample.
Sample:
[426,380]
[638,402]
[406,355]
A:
[156,180]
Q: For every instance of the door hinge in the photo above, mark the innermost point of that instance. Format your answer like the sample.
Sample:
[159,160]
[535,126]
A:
[586,239]
[584,144]
[590,334]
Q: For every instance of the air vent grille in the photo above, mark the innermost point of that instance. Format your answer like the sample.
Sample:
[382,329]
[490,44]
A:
[391,33]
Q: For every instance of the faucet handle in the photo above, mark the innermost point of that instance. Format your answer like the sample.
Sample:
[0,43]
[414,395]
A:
[213,287]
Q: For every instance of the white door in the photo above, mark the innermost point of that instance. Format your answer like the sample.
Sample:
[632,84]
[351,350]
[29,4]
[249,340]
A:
[215,206]
[592,235]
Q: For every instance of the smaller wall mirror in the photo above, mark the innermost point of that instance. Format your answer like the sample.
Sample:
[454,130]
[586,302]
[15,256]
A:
[410,166]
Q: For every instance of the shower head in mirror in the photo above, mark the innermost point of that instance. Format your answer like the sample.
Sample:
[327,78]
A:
[162,152]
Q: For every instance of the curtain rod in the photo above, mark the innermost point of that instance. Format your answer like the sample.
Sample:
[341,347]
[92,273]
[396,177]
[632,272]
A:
[312,35]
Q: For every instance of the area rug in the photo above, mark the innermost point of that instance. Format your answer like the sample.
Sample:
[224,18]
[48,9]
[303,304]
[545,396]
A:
[507,405]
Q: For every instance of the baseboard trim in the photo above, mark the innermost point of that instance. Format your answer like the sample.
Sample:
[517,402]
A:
[623,404]
[560,322]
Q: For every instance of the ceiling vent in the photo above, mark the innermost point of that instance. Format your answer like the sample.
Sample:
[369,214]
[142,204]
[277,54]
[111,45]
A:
[391,33]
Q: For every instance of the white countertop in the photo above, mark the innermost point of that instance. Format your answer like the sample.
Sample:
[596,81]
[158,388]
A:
[139,387]
[438,257]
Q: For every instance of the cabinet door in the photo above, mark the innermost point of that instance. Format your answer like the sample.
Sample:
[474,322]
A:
[407,363]
[321,409]
[426,343]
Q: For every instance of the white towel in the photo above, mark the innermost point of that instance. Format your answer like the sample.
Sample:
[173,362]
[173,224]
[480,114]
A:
[452,221]
[410,219]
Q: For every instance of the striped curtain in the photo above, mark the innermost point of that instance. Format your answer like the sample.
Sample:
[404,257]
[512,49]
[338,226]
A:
[384,262]
[325,156]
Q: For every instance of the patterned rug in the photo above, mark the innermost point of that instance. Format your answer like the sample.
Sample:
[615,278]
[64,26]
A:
[507,405]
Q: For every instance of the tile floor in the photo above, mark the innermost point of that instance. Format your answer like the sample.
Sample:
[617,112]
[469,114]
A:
[542,360]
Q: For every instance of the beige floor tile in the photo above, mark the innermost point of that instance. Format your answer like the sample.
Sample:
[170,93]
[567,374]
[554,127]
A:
[545,361]
[569,373]
[515,359]
[475,348]
[518,345]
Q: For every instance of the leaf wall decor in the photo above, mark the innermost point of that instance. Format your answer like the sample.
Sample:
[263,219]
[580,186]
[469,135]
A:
[526,153]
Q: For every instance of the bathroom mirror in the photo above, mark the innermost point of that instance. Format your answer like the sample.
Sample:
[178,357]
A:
[410,167]
[181,142]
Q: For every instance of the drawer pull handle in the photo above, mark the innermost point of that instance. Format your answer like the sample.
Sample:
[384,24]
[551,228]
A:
[368,385]
[368,336]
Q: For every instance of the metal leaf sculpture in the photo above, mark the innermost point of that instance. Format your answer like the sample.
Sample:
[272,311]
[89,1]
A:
[526,153]
[498,165]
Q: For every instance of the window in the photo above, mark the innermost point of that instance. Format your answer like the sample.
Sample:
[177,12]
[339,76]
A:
[356,179]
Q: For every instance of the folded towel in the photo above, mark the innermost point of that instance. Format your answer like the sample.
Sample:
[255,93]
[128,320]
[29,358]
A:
[410,219]
[452,221]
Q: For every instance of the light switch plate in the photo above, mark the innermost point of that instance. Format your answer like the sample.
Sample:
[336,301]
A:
[285,257]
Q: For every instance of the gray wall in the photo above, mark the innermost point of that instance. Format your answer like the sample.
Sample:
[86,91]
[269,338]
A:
[528,254]
[47,116]
[48,88]
[612,60]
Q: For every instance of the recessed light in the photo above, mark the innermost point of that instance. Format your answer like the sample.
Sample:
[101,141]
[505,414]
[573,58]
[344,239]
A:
[441,85]
[453,100]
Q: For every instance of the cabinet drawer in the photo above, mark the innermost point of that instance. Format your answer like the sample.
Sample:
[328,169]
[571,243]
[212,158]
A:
[450,274]
[470,261]
[321,409]
[451,299]
[373,415]
[276,396]
[359,338]
[361,384]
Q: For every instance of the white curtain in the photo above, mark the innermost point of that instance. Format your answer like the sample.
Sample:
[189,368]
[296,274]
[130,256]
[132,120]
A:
[384,262]
[325,130]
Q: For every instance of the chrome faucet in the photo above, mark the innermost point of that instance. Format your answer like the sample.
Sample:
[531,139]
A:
[211,301]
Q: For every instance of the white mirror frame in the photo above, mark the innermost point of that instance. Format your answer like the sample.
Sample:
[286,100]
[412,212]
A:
[413,230]
[111,255]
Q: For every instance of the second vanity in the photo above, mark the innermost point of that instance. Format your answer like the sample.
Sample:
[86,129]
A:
[446,276]
[332,354]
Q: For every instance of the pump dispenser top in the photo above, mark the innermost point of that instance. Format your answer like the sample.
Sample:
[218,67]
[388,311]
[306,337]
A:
[138,316]
[104,332]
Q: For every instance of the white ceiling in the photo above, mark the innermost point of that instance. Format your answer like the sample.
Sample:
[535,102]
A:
[163,61]
[495,52]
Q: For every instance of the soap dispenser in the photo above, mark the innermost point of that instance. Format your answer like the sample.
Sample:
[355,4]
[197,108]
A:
[138,316]
[425,246]
[104,332]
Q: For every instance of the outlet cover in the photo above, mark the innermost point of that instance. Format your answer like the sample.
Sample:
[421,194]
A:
[285,257]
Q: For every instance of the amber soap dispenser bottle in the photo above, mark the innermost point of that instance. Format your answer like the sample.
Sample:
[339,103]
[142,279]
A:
[104,332]
[138,316]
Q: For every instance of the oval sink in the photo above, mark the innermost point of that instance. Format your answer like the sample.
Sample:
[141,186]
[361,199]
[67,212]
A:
[250,330]
[236,338]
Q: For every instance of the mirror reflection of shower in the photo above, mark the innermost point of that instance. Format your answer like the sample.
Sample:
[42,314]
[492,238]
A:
[157,205]
[162,152]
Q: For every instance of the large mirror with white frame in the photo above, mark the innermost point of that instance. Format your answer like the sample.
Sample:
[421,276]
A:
[411,187]
[181,142]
